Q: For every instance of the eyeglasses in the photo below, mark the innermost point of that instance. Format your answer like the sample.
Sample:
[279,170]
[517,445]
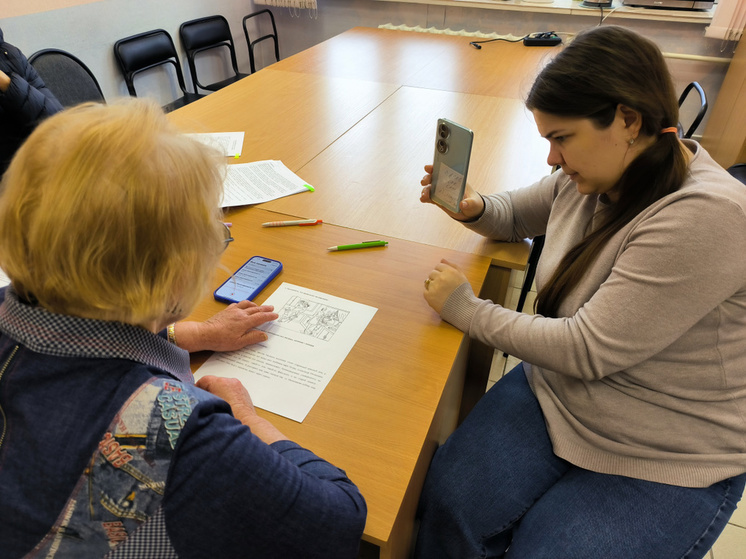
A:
[228,237]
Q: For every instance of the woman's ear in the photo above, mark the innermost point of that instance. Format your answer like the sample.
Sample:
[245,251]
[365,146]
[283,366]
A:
[632,119]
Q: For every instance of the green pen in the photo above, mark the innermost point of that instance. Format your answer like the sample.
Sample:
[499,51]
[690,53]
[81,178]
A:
[365,244]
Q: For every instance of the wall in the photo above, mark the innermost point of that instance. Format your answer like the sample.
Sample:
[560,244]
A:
[725,135]
[90,30]
[13,8]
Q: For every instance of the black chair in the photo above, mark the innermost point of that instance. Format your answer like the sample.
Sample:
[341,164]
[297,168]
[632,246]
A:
[71,81]
[206,33]
[253,44]
[739,171]
[537,245]
[700,114]
[533,260]
[148,50]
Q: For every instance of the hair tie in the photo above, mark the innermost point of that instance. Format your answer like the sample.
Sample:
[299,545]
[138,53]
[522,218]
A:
[670,129]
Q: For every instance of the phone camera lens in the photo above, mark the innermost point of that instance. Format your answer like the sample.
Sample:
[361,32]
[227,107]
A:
[442,146]
[444,131]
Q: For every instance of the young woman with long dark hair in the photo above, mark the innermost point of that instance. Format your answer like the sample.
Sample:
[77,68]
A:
[623,431]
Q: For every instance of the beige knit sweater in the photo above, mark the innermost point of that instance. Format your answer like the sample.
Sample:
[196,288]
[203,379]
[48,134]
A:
[644,373]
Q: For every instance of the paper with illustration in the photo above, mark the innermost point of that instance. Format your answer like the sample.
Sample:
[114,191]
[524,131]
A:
[307,344]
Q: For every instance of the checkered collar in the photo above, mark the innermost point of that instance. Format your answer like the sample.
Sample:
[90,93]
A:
[70,336]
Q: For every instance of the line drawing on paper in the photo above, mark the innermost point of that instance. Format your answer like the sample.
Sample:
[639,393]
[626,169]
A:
[310,318]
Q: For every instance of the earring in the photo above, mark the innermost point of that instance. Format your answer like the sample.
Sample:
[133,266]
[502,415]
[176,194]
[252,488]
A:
[631,141]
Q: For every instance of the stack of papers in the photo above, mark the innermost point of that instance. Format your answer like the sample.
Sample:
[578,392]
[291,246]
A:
[251,183]
[227,143]
[261,181]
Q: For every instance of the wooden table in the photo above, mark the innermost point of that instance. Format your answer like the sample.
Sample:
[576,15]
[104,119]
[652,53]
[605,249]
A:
[369,179]
[355,117]
[397,394]
[425,60]
[287,116]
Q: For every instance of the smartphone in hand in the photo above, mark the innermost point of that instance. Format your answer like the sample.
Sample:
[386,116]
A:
[450,164]
[249,280]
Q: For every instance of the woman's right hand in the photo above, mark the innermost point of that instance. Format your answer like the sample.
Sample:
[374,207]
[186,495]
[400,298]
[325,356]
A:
[233,391]
[472,206]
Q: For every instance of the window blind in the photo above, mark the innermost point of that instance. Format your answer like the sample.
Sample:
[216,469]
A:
[728,21]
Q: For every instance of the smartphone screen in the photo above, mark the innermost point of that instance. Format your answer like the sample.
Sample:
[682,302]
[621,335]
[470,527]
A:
[249,280]
[450,163]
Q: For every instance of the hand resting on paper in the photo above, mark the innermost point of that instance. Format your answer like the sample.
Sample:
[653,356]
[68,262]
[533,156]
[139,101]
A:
[232,328]
[472,206]
[441,282]
[233,391]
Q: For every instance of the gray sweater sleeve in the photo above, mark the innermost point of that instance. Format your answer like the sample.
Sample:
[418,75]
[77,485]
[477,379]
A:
[651,284]
[518,214]
[508,216]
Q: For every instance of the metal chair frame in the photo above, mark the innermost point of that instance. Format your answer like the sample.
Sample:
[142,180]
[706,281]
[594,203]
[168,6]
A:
[148,50]
[252,44]
[700,114]
[208,33]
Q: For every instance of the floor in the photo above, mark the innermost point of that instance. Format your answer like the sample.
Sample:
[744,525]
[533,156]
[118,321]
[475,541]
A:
[732,542]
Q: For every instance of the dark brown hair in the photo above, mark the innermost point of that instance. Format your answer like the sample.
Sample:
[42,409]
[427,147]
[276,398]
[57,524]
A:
[602,68]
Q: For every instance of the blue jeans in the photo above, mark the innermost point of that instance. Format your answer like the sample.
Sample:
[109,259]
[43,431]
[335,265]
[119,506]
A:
[496,489]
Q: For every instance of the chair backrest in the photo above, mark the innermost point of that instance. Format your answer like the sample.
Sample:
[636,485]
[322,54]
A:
[144,51]
[700,113]
[199,35]
[71,81]
[739,171]
[252,44]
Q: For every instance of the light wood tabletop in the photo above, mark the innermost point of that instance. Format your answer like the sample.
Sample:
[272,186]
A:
[369,179]
[427,60]
[287,116]
[355,117]
[398,391]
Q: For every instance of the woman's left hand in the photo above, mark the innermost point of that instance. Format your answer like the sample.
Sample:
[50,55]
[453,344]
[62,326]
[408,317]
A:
[231,329]
[441,282]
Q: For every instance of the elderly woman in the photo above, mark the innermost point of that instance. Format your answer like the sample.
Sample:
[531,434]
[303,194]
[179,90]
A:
[109,231]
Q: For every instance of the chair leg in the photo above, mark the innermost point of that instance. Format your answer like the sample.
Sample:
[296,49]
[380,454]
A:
[528,281]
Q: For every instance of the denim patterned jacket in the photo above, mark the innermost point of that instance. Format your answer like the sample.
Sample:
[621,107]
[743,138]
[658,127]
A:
[107,449]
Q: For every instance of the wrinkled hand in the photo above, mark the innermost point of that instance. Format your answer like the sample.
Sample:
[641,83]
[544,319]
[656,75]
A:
[231,329]
[471,206]
[441,282]
[233,391]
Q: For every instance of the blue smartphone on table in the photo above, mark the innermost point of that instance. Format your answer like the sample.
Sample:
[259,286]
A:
[249,280]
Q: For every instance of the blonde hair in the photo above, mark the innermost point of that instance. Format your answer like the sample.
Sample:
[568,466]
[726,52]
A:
[108,212]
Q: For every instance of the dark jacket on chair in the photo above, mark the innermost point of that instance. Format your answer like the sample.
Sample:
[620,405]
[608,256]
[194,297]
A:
[23,105]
